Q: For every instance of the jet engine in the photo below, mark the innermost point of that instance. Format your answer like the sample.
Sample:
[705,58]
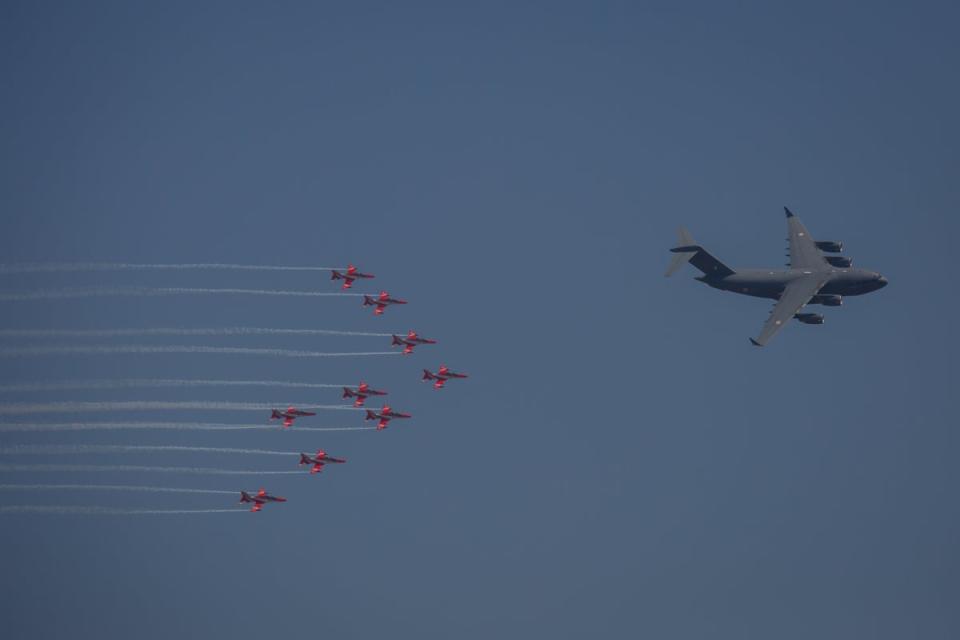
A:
[827,300]
[840,262]
[830,246]
[809,318]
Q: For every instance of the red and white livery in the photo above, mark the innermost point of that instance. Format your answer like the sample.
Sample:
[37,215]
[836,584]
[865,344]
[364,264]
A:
[381,302]
[385,415]
[441,376]
[361,393]
[410,341]
[259,499]
[289,415]
[319,460]
[349,276]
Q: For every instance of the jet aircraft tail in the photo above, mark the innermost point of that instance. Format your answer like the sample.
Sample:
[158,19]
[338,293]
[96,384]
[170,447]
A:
[689,251]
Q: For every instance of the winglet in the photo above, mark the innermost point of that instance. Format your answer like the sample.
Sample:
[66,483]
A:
[788,212]
[755,343]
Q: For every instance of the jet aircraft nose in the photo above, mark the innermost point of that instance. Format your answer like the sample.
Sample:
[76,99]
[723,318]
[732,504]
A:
[882,282]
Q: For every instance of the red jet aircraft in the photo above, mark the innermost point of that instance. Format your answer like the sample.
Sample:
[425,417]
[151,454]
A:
[319,460]
[410,342]
[381,302]
[259,499]
[441,376]
[361,393]
[349,276]
[289,415]
[384,416]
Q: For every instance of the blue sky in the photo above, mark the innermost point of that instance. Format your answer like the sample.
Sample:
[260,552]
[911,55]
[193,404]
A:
[621,461]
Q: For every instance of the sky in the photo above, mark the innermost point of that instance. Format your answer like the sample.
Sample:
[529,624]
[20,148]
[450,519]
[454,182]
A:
[621,462]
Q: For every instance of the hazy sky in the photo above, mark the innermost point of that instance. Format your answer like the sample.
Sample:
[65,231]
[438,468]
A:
[621,462]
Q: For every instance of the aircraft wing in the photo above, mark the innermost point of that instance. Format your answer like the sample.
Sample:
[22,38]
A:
[795,295]
[803,249]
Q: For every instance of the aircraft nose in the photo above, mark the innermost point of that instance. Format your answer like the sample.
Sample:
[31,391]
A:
[882,281]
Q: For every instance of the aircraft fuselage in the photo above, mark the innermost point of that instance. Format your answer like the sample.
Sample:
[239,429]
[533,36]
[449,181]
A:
[767,283]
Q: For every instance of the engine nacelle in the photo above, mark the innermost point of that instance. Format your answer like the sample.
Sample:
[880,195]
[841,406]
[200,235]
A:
[841,262]
[830,246]
[809,318]
[827,300]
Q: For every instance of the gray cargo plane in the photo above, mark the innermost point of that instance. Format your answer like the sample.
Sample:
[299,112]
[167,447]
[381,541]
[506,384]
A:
[811,279]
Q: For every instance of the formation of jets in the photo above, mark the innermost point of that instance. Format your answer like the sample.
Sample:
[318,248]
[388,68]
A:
[410,341]
[441,376]
[811,277]
[359,393]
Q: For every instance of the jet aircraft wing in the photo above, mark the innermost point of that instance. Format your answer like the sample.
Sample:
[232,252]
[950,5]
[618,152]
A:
[795,295]
[803,249]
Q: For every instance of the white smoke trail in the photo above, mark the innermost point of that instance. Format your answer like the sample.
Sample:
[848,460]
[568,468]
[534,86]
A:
[20,352]
[105,511]
[97,292]
[107,487]
[67,468]
[147,426]
[76,449]
[157,405]
[178,331]
[52,267]
[68,385]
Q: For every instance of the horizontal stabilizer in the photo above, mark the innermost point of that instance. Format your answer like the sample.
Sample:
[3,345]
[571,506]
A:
[684,252]
[689,251]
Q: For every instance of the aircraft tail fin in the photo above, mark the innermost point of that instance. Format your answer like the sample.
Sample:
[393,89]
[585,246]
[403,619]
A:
[681,258]
[689,251]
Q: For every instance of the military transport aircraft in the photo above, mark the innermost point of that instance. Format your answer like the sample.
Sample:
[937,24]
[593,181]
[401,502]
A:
[349,276]
[410,341]
[259,499]
[811,279]
[381,302]
[289,415]
[441,376]
[385,415]
[319,460]
[361,393]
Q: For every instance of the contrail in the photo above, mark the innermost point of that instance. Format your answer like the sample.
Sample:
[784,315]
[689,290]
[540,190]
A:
[143,349]
[66,468]
[179,331]
[68,385]
[156,405]
[95,292]
[75,449]
[146,426]
[51,267]
[105,511]
[107,487]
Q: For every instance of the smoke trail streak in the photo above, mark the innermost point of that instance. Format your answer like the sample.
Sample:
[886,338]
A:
[105,511]
[107,487]
[96,292]
[66,468]
[178,331]
[68,385]
[142,349]
[146,426]
[75,449]
[156,405]
[52,267]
